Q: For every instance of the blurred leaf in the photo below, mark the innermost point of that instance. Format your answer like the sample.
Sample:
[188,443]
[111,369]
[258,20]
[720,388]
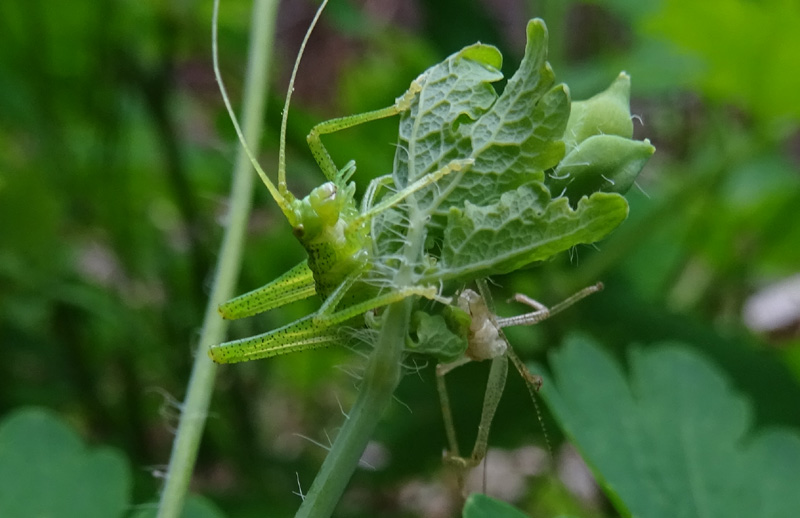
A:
[626,8]
[196,507]
[482,506]
[47,471]
[746,47]
[30,215]
[673,440]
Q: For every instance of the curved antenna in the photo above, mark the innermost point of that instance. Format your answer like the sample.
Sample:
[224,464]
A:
[281,196]
[285,118]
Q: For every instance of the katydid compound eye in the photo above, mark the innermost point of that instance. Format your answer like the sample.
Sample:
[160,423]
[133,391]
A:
[328,191]
[323,193]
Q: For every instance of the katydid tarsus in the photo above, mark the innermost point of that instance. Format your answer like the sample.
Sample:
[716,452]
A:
[332,229]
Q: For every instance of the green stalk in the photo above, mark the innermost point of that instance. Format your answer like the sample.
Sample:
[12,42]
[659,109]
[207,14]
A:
[201,383]
[382,377]
[375,394]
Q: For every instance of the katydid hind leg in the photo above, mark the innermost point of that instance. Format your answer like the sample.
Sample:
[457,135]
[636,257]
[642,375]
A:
[296,284]
[447,412]
[491,399]
[320,329]
[301,335]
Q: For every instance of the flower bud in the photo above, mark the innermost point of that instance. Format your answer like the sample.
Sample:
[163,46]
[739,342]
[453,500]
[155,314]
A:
[607,113]
[607,163]
[600,153]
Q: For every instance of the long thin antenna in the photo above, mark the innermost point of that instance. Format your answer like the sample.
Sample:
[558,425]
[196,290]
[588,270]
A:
[281,196]
[285,118]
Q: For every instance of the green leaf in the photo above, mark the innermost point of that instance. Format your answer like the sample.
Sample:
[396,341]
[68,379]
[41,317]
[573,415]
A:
[432,335]
[457,114]
[672,438]
[453,92]
[47,471]
[521,135]
[497,215]
[525,226]
[481,506]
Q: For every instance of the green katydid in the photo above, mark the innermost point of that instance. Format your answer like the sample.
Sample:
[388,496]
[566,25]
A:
[334,232]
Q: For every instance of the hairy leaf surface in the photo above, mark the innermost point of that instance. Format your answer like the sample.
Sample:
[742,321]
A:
[525,226]
[513,138]
[496,215]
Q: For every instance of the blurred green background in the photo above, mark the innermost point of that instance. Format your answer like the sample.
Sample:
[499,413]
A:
[115,158]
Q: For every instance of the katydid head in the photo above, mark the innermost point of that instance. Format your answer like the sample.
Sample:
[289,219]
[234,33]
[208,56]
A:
[322,210]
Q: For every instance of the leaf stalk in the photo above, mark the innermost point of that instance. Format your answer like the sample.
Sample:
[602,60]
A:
[201,382]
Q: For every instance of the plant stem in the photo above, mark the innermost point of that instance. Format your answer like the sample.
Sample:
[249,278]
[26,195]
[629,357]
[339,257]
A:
[382,377]
[376,391]
[201,382]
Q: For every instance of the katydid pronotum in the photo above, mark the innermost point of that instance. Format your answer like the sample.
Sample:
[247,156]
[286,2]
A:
[483,184]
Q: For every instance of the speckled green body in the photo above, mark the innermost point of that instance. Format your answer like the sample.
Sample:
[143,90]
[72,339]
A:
[335,238]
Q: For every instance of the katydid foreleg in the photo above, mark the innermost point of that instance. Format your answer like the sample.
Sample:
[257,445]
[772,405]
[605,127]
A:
[318,149]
